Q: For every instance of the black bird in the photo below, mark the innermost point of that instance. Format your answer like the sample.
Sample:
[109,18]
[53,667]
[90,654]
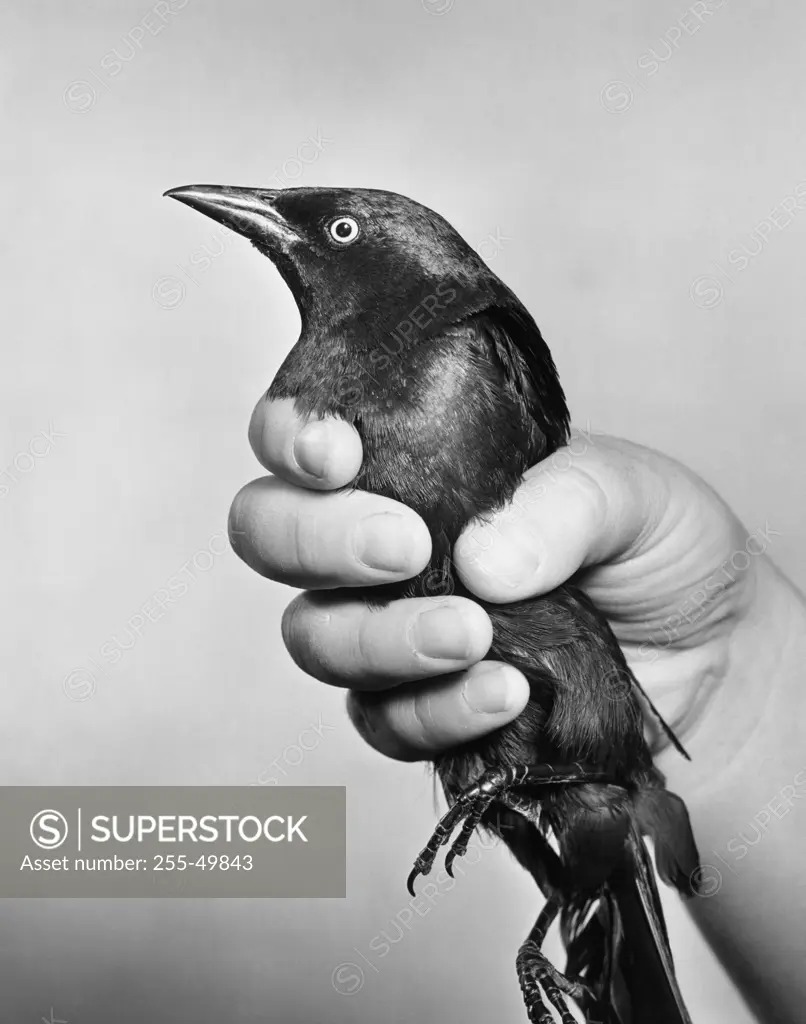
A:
[408,335]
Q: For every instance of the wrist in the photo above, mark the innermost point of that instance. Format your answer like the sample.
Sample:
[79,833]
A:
[745,791]
[750,683]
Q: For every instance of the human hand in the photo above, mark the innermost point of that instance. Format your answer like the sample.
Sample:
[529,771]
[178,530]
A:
[657,550]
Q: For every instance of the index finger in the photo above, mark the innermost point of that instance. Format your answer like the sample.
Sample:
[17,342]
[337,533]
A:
[320,454]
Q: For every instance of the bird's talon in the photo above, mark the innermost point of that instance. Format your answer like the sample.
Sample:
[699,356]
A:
[468,808]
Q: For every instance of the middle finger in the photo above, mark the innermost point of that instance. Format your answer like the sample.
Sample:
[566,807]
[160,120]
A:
[321,540]
[340,640]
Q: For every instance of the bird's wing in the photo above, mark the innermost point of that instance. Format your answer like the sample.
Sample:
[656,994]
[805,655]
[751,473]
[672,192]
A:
[530,368]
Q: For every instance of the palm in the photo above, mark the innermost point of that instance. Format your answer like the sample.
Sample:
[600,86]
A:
[674,599]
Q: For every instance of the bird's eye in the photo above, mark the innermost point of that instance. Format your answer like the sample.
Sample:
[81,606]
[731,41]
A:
[343,230]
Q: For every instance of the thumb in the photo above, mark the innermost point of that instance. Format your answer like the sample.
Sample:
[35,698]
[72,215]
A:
[593,501]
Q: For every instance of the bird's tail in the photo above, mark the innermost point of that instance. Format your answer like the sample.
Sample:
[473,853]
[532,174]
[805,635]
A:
[622,949]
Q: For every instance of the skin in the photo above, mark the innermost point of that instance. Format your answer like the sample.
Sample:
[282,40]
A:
[713,631]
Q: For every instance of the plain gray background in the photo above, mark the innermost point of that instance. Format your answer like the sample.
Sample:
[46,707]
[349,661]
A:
[603,183]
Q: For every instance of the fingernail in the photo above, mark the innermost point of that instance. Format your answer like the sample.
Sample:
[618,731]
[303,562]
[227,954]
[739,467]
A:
[312,449]
[441,633]
[383,541]
[489,689]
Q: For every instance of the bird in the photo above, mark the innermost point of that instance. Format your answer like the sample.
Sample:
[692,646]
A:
[408,335]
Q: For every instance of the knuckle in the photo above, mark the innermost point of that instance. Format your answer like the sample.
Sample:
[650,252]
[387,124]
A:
[363,716]
[306,637]
[272,431]
[238,506]
[308,552]
[265,435]
[257,431]
[590,493]
[292,626]
[418,716]
[377,717]
[372,642]
[239,522]
[263,529]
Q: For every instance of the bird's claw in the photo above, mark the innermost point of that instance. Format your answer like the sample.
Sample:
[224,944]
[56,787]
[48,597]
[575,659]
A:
[459,848]
[469,807]
[420,868]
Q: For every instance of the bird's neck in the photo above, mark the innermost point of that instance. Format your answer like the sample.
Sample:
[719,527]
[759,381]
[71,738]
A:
[354,373]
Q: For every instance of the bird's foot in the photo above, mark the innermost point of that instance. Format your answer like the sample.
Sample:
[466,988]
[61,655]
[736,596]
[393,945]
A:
[474,801]
[537,975]
[469,807]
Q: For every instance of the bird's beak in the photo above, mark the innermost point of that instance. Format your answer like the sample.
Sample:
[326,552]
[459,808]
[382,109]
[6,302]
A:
[249,211]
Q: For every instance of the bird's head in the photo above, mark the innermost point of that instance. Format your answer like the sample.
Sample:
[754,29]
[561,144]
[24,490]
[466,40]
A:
[360,258]
[365,266]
